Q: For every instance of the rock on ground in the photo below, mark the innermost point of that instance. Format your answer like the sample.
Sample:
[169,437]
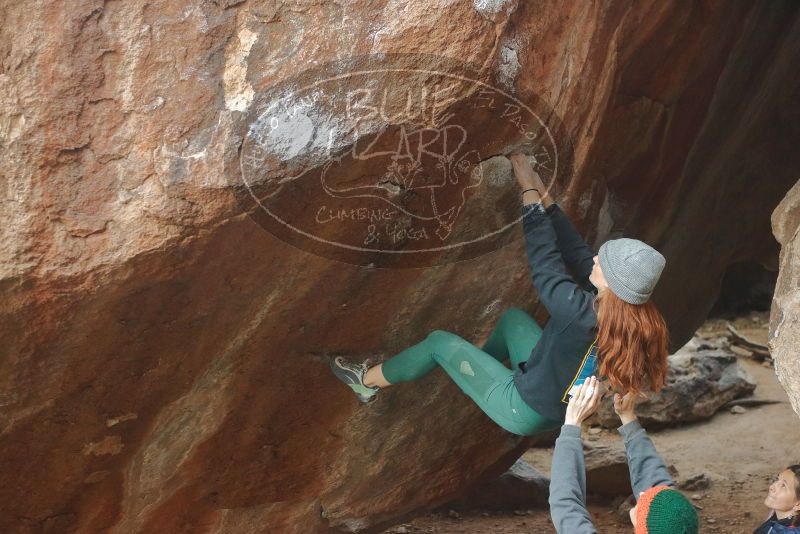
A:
[784,323]
[699,382]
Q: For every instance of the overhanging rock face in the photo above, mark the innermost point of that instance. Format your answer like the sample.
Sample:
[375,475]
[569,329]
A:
[163,365]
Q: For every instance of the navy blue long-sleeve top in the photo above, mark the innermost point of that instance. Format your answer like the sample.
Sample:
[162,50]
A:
[560,262]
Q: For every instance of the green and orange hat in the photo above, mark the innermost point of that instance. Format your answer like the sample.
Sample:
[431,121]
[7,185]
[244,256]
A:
[663,510]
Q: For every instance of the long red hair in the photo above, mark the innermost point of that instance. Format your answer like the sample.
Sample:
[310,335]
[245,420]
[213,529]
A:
[632,344]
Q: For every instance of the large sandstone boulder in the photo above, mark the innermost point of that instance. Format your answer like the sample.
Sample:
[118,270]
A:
[164,358]
[522,487]
[784,324]
[607,472]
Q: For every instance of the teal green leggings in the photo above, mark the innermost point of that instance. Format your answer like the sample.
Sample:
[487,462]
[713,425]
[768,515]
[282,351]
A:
[479,371]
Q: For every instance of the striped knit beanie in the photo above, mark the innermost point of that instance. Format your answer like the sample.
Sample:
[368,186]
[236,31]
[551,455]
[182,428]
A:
[662,510]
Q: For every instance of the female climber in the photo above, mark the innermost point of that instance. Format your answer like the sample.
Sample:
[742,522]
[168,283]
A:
[783,501]
[602,319]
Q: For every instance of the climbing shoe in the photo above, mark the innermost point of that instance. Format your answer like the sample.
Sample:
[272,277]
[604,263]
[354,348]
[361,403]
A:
[352,374]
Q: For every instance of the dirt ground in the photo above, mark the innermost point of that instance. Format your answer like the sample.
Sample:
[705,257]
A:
[739,453]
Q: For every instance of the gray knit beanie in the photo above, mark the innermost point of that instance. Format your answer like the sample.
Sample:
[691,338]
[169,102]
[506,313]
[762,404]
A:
[631,268]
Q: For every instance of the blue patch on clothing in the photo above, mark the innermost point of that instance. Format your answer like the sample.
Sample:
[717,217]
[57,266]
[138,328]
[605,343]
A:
[587,369]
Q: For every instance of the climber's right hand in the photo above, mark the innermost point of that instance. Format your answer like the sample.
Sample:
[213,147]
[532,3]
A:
[523,171]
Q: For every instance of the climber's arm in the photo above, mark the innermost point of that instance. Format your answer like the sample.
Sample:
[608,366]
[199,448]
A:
[577,255]
[559,293]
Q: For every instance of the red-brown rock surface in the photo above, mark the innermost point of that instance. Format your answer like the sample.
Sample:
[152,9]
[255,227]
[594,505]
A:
[163,357]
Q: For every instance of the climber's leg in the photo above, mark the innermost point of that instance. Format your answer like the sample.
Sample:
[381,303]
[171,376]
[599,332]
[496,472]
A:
[483,378]
[410,364]
[515,335]
[414,362]
[374,377]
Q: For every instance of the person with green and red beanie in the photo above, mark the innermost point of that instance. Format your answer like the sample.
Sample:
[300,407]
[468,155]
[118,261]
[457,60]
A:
[659,509]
